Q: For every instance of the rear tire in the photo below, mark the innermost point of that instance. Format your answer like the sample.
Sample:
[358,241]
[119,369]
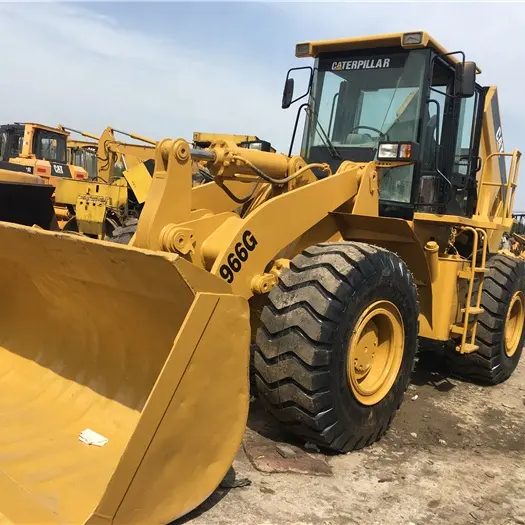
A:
[496,360]
[301,360]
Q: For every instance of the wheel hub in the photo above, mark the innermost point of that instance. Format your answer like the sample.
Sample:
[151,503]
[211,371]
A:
[514,323]
[365,349]
[375,352]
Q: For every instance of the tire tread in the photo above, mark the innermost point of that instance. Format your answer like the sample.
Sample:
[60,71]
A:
[292,358]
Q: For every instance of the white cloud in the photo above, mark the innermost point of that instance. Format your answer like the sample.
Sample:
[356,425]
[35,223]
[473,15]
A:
[72,66]
[67,64]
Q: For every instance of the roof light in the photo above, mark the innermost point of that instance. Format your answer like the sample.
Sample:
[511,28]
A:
[302,50]
[412,39]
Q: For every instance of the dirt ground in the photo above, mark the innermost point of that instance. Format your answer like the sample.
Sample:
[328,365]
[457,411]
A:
[454,455]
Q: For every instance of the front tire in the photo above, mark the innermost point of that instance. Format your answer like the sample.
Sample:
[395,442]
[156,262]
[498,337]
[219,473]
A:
[338,343]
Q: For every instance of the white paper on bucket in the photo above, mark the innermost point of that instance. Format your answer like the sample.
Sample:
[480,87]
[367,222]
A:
[90,437]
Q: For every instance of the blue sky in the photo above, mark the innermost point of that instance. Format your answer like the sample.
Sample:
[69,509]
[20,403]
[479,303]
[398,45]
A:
[171,68]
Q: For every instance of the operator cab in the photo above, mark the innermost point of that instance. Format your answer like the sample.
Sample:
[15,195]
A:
[46,143]
[405,102]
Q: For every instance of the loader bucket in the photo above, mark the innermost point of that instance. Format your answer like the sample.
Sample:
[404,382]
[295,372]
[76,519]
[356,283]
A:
[140,347]
[28,204]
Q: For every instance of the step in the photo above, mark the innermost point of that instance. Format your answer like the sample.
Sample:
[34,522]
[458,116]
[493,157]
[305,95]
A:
[457,329]
[473,310]
[466,274]
[467,348]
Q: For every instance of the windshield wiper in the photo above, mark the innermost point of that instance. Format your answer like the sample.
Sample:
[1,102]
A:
[324,137]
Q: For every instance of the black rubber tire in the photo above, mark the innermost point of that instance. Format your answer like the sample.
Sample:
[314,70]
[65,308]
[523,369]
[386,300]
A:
[302,345]
[490,364]
[122,235]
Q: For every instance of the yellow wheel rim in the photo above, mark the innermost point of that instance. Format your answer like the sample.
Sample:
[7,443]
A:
[514,323]
[375,352]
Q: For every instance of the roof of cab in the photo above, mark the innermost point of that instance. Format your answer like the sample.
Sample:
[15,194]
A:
[374,41]
[44,127]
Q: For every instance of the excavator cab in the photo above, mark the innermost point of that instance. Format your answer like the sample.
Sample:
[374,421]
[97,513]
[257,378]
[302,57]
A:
[414,103]
[84,154]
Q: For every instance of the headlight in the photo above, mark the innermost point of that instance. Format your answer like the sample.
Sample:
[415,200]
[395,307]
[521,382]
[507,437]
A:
[388,151]
[261,145]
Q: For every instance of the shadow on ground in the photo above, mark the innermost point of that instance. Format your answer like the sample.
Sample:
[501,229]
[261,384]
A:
[231,480]
[431,369]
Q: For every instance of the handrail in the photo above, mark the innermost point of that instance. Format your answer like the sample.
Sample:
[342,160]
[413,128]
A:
[510,185]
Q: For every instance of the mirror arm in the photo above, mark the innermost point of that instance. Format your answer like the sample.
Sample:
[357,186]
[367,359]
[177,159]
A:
[305,104]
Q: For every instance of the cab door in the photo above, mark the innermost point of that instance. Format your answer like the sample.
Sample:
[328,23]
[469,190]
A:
[450,147]
[466,161]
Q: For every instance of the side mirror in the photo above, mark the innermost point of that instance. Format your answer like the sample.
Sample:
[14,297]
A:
[465,79]
[288,93]
[307,72]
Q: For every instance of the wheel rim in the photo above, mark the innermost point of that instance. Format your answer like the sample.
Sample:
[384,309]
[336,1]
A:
[514,323]
[375,352]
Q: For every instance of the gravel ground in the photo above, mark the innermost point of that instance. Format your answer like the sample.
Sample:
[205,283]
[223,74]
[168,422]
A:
[454,455]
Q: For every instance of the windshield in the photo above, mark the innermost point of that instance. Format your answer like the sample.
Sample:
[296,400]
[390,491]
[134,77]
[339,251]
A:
[358,101]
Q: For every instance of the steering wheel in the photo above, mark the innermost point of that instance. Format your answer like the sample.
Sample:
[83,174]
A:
[381,134]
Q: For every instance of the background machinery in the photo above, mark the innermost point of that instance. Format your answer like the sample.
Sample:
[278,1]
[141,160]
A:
[38,149]
[32,161]
[109,205]
[385,231]
[115,193]
[83,153]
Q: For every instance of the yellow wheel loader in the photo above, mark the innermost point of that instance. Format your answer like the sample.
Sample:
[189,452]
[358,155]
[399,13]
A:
[334,264]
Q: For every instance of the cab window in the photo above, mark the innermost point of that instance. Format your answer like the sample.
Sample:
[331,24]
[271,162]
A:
[10,144]
[50,146]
